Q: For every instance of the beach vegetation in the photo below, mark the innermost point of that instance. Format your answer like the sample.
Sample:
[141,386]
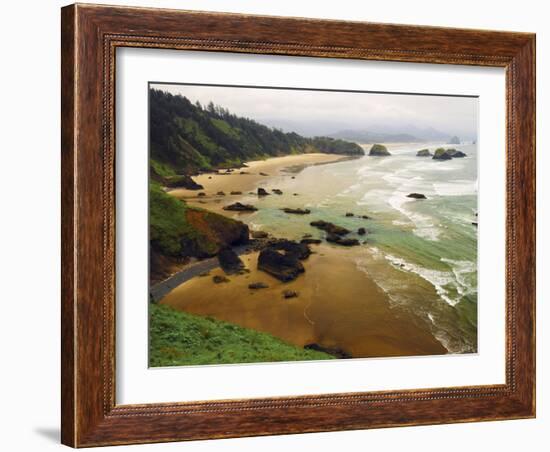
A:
[178,338]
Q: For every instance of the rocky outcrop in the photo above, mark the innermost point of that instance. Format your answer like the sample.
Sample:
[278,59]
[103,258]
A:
[379,150]
[454,140]
[209,233]
[298,250]
[262,192]
[361,231]
[238,207]
[258,285]
[182,181]
[329,227]
[333,238]
[281,259]
[279,265]
[277,191]
[289,294]
[296,211]
[229,261]
[337,352]
[455,154]
[441,154]
[220,193]
[259,234]
[424,153]
[350,214]
[310,241]
[416,196]
[218,279]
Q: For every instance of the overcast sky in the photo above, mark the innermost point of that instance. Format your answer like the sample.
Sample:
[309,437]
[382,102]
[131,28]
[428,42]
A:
[327,112]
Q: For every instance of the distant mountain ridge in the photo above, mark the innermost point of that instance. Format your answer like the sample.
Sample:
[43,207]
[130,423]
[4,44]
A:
[187,137]
[410,134]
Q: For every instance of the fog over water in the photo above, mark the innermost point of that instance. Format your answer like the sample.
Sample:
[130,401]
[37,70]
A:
[327,112]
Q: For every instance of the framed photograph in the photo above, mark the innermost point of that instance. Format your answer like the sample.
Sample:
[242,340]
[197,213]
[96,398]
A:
[281,225]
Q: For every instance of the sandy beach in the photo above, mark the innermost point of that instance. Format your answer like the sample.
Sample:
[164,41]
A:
[338,305]
[237,182]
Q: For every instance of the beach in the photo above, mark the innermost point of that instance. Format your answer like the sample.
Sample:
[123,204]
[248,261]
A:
[406,290]
[248,178]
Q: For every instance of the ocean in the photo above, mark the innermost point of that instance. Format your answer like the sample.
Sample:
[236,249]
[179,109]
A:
[421,253]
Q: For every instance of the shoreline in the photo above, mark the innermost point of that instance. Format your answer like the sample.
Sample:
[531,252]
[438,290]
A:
[343,309]
[236,181]
[326,310]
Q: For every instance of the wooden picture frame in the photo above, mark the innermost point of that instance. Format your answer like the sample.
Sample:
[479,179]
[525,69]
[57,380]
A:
[90,36]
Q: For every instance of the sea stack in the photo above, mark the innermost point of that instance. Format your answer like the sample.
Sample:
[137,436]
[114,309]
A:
[424,153]
[379,150]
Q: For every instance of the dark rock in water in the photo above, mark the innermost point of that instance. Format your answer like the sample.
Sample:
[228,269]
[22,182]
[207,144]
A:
[220,193]
[236,192]
[277,191]
[293,177]
[333,238]
[366,217]
[201,194]
[238,207]
[454,140]
[262,192]
[298,250]
[182,181]
[337,352]
[258,285]
[416,196]
[329,227]
[455,154]
[229,261]
[424,153]
[379,150]
[244,172]
[297,211]
[309,241]
[220,279]
[264,174]
[441,154]
[361,231]
[290,294]
[474,223]
[209,177]
[294,194]
[280,265]
[259,234]
[350,214]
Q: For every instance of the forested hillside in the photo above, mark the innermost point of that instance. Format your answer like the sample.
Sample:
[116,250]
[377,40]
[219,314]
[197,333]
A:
[186,138]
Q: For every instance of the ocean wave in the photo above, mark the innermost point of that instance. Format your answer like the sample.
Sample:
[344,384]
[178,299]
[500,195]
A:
[456,188]
[400,292]
[437,278]
[425,226]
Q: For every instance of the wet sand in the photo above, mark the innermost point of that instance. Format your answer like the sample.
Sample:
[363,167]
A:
[338,306]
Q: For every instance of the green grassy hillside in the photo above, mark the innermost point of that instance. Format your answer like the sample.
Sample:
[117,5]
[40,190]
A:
[187,137]
[178,339]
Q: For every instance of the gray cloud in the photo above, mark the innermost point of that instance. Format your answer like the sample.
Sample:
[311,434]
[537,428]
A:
[326,112]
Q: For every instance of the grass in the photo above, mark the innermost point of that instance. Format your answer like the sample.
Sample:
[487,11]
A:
[161,169]
[167,220]
[177,339]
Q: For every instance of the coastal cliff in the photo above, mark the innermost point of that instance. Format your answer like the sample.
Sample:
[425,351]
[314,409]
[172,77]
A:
[187,138]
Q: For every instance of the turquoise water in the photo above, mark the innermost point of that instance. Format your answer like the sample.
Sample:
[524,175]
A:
[422,253]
